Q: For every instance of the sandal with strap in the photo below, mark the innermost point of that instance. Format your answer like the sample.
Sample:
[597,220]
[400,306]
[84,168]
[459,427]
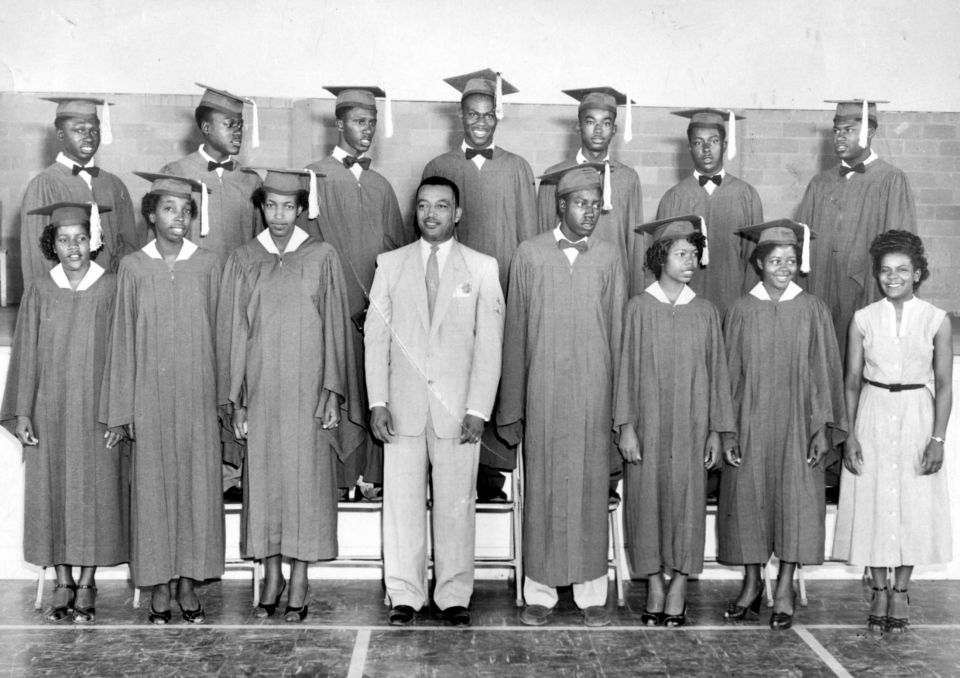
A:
[62,612]
[85,615]
[675,620]
[895,625]
[736,612]
[877,622]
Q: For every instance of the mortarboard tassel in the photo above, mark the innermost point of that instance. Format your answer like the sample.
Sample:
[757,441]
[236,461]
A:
[705,259]
[864,124]
[106,133]
[805,252]
[388,115]
[607,186]
[498,102]
[313,210]
[204,210]
[732,137]
[628,132]
[96,230]
[255,133]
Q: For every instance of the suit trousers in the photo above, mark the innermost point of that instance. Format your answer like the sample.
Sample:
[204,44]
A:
[406,464]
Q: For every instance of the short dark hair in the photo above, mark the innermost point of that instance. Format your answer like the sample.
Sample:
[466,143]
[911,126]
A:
[692,126]
[441,181]
[656,254]
[259,196]
[900,242]
[202,115]
[50,234]
[764,249]
[149,205]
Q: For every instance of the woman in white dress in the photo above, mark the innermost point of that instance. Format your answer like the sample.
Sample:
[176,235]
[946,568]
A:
[894,506]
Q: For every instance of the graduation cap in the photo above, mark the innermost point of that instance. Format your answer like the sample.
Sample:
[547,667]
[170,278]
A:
[714,118]
[607,99]
[84,108]
[677,227]
[856,109]
[580,177]
[181,187]
[290,182]
[487,82]
[365,97]
[783,232]
[232,105]
[76,214]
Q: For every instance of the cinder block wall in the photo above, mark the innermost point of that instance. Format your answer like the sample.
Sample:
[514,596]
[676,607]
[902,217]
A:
[779,151]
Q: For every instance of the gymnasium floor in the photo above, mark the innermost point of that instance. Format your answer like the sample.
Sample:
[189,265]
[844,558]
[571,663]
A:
[346,635]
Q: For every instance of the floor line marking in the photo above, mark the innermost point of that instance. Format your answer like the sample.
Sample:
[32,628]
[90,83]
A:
[359,658]
[822,652]
[273,628]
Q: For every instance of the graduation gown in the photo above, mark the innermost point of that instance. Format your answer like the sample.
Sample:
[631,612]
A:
[499,212]
[57,184]
[75,506]
[360,219]
[234,221]
[787,383]
[284,336]
[616,226]
[734,204]
[560,352]
[847,214]
[163,380]
[673,387]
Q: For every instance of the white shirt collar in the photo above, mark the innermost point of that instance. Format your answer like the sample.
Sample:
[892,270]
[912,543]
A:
[340,154]
[686,294]
[792,292]
[558,234]
[206,156]
[297,238]
[870,158]
[722,173]
[464,146]
[150,249]
[92,275]
[581,158]
[67,162]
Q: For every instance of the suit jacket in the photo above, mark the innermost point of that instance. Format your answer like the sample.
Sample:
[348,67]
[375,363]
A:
[444,367]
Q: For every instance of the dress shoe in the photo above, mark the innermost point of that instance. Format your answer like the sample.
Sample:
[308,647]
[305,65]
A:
[159,618]
[295,614]
[736,612]
[781,621]
[595,615]
[535,615]
[401,615]
[233,495]
[265,610]
[457,616]
[491,496]
[85,615]
[64,611]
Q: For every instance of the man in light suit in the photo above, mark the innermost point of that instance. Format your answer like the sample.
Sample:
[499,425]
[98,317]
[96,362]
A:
[433,336]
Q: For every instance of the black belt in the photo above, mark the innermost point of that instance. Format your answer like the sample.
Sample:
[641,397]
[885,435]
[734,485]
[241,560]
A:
[893,388]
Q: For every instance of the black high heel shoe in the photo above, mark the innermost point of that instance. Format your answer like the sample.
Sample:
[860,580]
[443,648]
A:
[159,618]
[295,614]
[894,624]
[877,623]
[197,616]
[85,615]
[263,611]
[63,611]
[652,618]
[781,621]
[675,620]
[736,612]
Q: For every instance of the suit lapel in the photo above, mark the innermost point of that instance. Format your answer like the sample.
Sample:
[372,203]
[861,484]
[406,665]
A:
[449,279]
[416,279]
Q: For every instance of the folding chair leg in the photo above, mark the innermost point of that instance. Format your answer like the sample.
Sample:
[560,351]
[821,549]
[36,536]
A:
[803,587]
[768,586]
[39,602]
[136,597]
[257,578]
[617,547]
[518,529]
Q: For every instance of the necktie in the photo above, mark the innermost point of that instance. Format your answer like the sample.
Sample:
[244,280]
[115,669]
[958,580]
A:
[92,171]
[433,279]
[858,168]
[580,246]
[716,178]
[349,161]
[227,165]
[484,152]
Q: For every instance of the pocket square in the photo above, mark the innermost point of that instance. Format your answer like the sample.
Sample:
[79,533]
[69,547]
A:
[463,290]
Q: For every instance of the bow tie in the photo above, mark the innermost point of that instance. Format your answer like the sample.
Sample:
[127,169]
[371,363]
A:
[580,246]
[483,152]
[228,165]
[716,178]
[858,168]
[92,171]
[350,160]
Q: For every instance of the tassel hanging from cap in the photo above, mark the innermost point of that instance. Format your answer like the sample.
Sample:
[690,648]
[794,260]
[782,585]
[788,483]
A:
[732,136]
[628,123]
[96,230]
[388,115]
[498,99]
[106,132]
[705,259]
[607,187]
[255,132]
[805,251]
[864,123]
[313,209]
[204,211]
